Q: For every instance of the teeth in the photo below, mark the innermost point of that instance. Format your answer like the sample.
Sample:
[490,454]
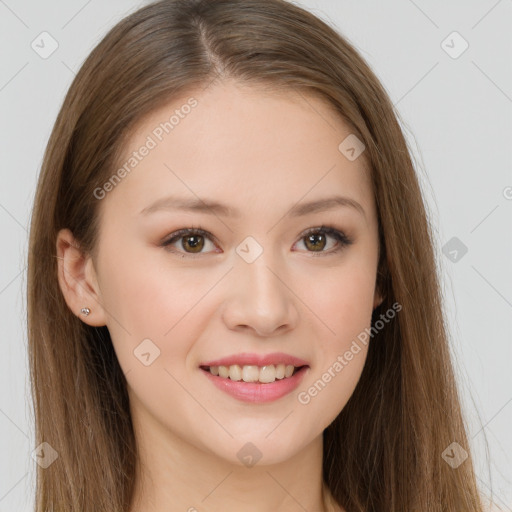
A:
[235,372]
[251,373]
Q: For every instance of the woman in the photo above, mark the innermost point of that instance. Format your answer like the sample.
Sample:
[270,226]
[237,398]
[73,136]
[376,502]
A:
[232,291]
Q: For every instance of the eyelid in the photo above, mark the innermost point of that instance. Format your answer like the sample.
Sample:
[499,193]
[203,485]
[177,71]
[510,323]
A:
[339,235]
[180,233]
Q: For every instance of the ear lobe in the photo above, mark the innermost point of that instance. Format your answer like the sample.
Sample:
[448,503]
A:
[382,273]
[378,296]
[77,280]
[377,300]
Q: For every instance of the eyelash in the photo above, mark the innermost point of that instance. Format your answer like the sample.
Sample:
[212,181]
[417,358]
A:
[343,240]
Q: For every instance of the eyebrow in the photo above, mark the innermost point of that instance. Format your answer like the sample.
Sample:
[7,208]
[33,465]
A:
[215,208]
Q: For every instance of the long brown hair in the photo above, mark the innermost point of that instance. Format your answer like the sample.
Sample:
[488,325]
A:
[384,450]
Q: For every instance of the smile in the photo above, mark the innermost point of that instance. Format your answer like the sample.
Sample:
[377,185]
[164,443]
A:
[252,373]
[253,390]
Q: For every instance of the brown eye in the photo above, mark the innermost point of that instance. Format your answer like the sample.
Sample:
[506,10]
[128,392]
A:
[192,241]
[315,242]
[195,242]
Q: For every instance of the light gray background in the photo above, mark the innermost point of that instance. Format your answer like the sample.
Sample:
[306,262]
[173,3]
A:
[457,116]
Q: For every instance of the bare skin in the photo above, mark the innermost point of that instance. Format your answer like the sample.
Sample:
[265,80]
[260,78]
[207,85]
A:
[260,153]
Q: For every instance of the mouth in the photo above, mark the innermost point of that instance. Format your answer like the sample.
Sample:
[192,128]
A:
[254,374]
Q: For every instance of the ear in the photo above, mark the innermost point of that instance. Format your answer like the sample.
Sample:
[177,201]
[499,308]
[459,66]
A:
[377,299]
[378,296]
[382,273]
[77,280]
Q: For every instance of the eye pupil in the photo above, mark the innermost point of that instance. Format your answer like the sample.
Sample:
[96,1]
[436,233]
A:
[315,236]
[192,241]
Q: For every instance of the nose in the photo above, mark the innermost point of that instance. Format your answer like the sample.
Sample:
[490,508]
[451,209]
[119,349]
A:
[260,298]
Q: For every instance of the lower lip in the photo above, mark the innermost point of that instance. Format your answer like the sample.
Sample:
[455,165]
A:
[256,392]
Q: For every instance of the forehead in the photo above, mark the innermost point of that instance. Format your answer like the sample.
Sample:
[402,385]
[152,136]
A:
[244,146]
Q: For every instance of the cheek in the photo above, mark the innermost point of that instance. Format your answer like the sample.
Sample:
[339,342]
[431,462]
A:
[147,299]
[343,304]
[341,301]
[328,390]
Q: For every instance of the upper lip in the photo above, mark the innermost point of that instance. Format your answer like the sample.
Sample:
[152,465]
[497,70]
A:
[257,360]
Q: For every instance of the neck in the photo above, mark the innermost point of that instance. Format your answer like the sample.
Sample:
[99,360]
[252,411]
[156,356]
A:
[174,475]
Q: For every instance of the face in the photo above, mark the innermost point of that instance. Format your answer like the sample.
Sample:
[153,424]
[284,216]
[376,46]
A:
[262,274]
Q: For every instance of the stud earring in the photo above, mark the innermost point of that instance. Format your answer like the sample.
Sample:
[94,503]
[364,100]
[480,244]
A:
[85,311]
